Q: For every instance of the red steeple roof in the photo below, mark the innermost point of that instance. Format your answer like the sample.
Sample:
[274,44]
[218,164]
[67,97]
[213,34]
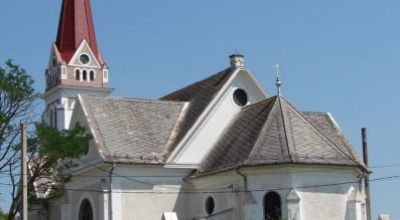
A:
[75,25]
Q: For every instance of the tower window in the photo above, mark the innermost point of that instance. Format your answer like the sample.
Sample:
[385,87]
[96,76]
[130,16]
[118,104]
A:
[77,74]
[84,75]
[92,75]
[272,206]
[86,210]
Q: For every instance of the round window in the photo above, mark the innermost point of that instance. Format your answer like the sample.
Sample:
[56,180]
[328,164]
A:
[84,59]
[210,205]
[240,97]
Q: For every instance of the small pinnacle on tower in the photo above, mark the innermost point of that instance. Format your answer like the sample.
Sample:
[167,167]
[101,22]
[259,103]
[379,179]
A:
[278,81]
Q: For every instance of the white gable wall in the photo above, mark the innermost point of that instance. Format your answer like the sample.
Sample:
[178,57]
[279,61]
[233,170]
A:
[79,116]
[217,116]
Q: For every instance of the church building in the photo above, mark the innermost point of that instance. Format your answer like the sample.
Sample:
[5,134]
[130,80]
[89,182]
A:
[221,148]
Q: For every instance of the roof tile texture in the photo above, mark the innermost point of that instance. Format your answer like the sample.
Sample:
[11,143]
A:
[274,132]
[132,130]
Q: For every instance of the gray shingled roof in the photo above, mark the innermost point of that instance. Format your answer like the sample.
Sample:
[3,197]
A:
[199,95]
[275,132]
[132,130]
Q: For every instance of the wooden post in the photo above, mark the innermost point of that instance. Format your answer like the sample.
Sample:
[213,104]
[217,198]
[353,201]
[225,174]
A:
[24,174]
[366,182]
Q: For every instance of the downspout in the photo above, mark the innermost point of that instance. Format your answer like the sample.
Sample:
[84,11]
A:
[245,187]
[110,212]
[244,179]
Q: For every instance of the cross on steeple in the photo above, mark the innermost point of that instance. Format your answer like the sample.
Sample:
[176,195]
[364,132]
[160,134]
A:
[278,81]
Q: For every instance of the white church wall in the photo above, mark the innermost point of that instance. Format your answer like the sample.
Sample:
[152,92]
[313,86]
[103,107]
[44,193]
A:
[221,188]
[262,181]
[93,197]
[91,185]
[146,192]
[67,207]
[355,205]
[215,119]
[328,203]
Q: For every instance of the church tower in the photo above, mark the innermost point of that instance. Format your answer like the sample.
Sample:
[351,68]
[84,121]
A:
[75,65]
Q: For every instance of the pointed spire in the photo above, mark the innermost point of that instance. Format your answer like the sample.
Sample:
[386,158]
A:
[75,25]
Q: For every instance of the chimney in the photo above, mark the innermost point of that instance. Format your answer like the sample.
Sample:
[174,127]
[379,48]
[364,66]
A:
[236,60]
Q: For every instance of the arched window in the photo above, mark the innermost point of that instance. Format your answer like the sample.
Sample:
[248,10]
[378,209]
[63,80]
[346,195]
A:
[84,75]
[272,206]
[85,211]
[92,76]
[77,74]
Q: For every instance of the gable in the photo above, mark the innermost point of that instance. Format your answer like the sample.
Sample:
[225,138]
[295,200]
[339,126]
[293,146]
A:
[79,116]
[218,112]
[84,48]
[199,95]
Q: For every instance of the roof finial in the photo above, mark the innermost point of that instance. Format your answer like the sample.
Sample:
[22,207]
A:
[236,60]
[278,81]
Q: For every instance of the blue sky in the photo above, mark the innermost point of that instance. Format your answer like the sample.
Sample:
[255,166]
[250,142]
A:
[338,56]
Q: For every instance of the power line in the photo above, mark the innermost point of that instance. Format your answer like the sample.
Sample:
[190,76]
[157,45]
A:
[125,177]
[6,174]
[209,191]
[384,166]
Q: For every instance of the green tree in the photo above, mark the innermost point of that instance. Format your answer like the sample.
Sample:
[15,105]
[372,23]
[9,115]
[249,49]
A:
[3,216]
[51,152]
[17,98]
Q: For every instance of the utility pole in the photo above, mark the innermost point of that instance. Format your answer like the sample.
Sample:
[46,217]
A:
[24,174]
[366,182]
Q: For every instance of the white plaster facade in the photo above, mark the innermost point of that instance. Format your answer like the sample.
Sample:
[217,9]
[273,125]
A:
[147,192]
[154,191]
[171,190]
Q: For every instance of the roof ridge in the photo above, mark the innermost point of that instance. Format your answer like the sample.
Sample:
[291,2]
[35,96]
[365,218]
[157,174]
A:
[89,120]
[262,102]
[272,99]
[321,133]
[315,112]
[225,71]
[285,128]
[123,98]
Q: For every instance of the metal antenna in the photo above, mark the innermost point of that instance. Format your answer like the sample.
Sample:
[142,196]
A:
[278,81]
